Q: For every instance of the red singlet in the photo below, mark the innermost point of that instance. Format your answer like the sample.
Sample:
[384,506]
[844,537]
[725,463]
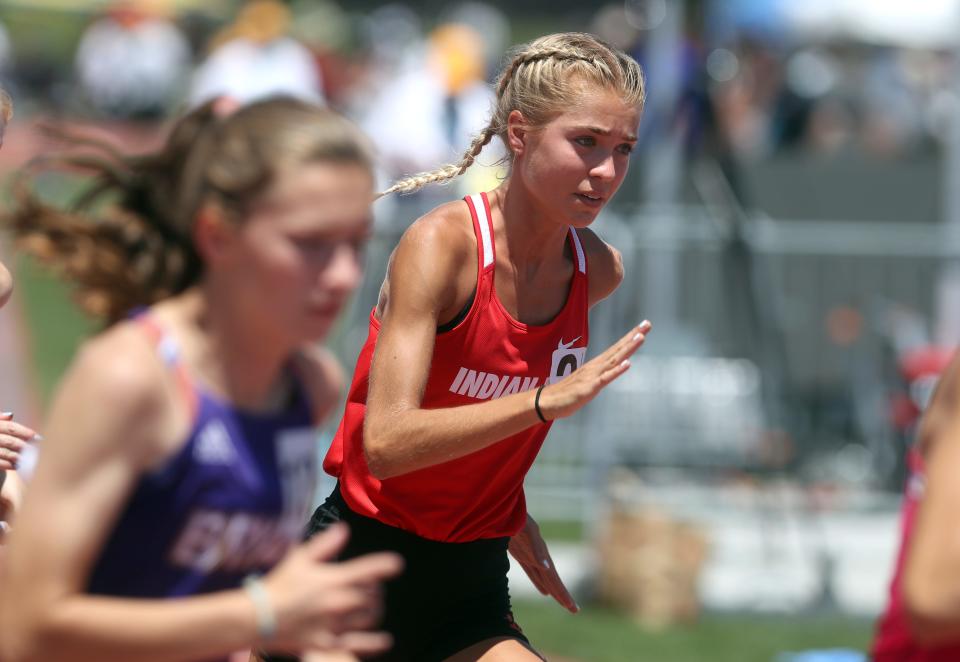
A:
[894,642]
[487,355]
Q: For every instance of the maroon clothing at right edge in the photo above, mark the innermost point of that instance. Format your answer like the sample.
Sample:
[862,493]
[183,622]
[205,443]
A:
[894,641]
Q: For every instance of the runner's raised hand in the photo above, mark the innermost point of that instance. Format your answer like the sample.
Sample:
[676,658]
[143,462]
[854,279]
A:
[565,397]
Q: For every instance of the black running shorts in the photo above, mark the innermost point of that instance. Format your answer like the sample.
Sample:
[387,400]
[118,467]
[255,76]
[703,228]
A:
[449,596]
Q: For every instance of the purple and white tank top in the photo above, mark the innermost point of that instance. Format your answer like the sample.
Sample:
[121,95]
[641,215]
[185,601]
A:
[230,502]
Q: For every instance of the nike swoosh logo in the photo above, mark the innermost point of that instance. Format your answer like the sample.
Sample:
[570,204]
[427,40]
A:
[568,345]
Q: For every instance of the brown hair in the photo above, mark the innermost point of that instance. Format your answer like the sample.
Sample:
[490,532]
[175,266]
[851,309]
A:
[540,79]
[139,249]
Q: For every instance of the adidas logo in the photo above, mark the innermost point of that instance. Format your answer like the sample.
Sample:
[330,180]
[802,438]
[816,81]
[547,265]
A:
[214,445]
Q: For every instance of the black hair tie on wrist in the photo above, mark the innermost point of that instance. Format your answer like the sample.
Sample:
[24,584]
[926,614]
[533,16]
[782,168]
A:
[536,404]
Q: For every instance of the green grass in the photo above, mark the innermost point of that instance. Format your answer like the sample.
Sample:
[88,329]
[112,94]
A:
[54,325]
[562,530]
[597,634]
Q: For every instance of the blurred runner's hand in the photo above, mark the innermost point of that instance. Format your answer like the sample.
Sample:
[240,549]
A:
[13,438]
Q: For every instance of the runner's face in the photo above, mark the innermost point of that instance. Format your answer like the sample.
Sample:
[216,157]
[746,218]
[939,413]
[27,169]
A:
[576,162]
[299,252]
[6,111]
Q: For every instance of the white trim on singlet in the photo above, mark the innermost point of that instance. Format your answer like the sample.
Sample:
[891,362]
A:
[581,260]
[486,233]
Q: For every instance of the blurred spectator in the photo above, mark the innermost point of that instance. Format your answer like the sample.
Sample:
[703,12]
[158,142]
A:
[746,101]
[392,39]
[329,33]
[197,26]
[132,62]
[255,58]
[431,111]
[488,21]
[394,36]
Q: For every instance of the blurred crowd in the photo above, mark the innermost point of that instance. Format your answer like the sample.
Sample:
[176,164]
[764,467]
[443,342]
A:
[420,93]
[829,97]
[763,88]
[419,85]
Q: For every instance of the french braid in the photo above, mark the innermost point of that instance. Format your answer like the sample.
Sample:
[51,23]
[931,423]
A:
[541,78]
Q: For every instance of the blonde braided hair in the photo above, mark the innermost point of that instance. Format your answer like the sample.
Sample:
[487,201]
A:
[540,79]
[447,172]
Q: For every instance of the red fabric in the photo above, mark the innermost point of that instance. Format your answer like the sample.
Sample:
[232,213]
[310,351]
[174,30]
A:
[928,360]
[894,642]
[487,355]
